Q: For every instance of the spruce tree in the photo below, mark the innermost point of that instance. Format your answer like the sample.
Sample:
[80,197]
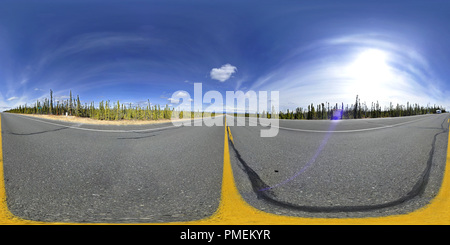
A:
[70,105]
[51,102]
[78,112]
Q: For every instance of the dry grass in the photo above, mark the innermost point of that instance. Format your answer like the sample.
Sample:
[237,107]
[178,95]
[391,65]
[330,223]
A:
[101,122]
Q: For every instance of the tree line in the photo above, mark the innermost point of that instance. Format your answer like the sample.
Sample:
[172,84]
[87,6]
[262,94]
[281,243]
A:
[119,111]
[356,111]
[104,111]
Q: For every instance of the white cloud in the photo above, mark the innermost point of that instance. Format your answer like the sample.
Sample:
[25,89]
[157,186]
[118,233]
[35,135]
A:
[181,94]
[223,73]
[185,96]
[13,98]
[402,76]
[173,100]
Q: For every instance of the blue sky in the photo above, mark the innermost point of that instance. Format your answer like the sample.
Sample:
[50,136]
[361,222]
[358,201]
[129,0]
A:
[309,51]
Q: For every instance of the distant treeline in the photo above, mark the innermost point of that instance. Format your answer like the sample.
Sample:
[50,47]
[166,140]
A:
[117,111]
[104,111]
[357,110]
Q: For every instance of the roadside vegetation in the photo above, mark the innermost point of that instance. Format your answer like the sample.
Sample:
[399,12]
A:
[106,110]
[357,110]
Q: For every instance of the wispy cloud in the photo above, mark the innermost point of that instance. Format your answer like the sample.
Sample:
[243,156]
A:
[94,42]
[325,75]
[12,98]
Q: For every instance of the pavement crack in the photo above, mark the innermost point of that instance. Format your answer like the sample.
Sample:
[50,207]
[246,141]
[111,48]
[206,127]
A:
[263,192]
[256,182]
[34,133]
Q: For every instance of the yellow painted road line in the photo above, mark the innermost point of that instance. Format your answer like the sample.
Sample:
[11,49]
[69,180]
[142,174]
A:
[230,135]
[5,215]
[233,210]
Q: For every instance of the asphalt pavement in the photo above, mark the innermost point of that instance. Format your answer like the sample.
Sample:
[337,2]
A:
[56,171]
[343,168]
[64,172]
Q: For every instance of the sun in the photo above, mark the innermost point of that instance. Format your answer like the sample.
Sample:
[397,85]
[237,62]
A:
[369,72]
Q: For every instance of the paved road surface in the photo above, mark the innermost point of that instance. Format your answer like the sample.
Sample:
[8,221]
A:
[368,167]
[56,171]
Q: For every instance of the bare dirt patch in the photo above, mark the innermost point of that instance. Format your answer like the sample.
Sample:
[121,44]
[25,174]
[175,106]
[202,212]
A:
[84,120]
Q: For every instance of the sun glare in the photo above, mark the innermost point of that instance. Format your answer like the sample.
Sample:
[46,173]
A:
[369,72]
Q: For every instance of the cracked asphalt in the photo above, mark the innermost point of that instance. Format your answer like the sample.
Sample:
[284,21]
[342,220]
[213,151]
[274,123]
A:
[65,172]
